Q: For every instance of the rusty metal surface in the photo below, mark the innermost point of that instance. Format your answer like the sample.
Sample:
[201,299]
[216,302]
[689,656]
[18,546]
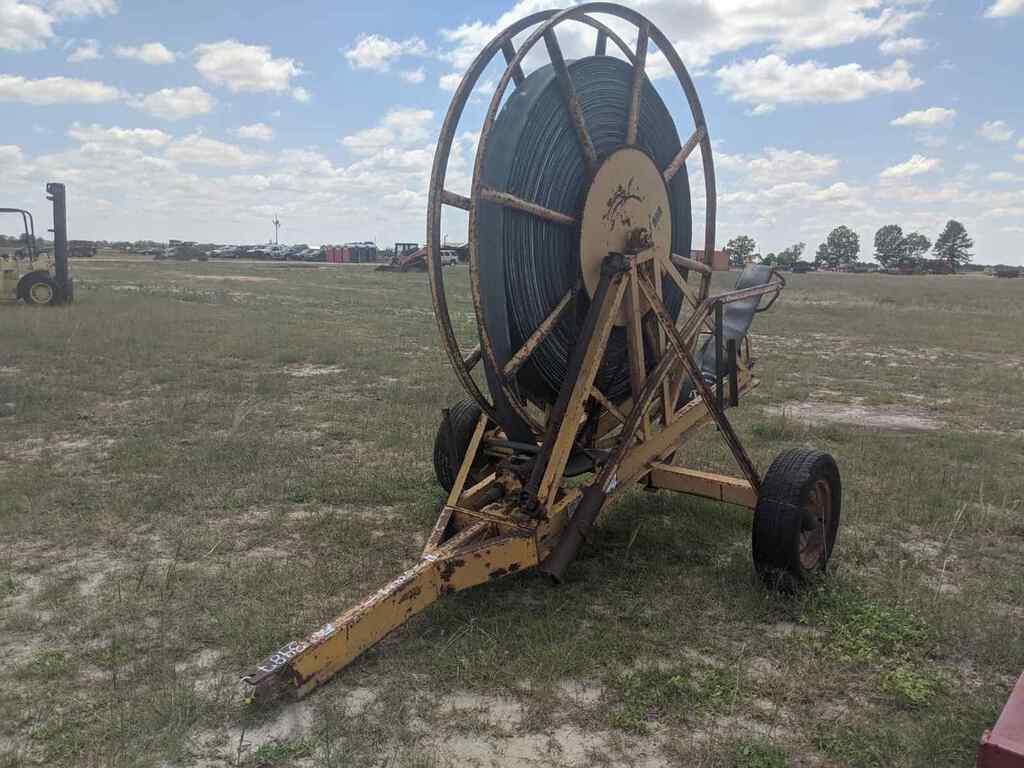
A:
[473,556]
[511,201]
[544,22]
[572,102]
[684,353]
[509,52]
[684,152]
[439,196]
[633,120]
[1003,746]
[542,331]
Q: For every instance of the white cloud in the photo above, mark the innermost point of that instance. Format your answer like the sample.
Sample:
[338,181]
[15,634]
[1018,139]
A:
[1003,176]
[1005,8]
[1020,144]
[377,52]
[148,53]
[89,50]
[779,166]
[257,131]
[702,30]
[242,67]
[414,76]
[925,117]
[177,103]
[399,127]
[915,166]
[996,130]
[450,81]
[902,46]
[84,7]
[1019,158]
[56,90]
[148,137]
[200,150]
[23,27]
[12,162]
[771,80]
[301,95]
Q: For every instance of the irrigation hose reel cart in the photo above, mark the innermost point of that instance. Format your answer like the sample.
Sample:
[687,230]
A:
[599,344]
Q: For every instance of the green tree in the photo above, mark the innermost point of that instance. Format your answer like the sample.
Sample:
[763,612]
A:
[840,247]
[740,249]
[915,246]
[954,245]
[889,245]
[770,260]
[790,256]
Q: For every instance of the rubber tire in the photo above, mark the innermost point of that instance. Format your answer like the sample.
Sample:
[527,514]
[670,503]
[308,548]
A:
[778,517]
[464,416]
[25,289]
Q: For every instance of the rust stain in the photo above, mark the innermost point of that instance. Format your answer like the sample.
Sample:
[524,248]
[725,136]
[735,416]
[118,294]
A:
[449,568]
[410,595]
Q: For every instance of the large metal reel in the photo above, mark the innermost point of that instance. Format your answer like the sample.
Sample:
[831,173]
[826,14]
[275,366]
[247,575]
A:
[510,404]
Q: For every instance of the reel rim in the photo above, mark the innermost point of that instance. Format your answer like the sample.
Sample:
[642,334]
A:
[543,24]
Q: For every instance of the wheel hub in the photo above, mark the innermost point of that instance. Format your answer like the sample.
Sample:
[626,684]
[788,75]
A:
[627,198]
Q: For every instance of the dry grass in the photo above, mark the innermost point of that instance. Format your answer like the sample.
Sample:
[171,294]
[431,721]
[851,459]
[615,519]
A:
[204,463]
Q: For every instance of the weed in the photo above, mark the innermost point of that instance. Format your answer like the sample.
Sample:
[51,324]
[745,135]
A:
[758,754]
[863,630]
[653,694]
[911,687]
[280,753]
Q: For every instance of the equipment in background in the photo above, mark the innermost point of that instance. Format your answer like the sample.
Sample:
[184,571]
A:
[81,249]
[408,257]
[601,350]
[36,277]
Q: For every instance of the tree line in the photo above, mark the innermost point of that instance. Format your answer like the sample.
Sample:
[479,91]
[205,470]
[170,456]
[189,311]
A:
[893,249]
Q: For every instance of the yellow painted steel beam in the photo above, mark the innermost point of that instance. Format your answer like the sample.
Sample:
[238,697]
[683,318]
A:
[710,485]
[301,666]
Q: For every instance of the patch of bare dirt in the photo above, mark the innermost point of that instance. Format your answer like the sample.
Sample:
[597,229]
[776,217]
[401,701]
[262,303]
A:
[306,370]
[235,278]
[566,746]
[581,693]
[872,417]
[69,447]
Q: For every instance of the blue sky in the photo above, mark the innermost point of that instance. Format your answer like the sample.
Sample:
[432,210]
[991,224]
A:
[201,120]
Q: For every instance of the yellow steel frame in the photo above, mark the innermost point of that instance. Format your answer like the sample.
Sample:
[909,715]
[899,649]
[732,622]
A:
[485,531]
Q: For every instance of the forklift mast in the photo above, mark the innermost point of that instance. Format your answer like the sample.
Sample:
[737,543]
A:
[56,193]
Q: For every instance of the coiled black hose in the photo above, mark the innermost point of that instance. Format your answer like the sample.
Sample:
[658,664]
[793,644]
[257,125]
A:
[527,263]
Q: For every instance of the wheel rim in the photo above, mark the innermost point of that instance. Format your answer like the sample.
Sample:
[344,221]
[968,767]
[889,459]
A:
[818,515]
[40,293]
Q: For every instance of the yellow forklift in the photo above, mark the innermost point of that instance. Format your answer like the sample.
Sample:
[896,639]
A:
[38,277]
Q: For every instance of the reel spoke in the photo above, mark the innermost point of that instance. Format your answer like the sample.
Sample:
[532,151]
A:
[511,201]
[601,49]
[542,332]
[455,200]
[572,102]
[509,52]
[470,361]
[633,122]
[677,162]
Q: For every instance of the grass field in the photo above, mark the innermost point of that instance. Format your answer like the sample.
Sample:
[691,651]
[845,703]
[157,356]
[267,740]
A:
[208,460]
